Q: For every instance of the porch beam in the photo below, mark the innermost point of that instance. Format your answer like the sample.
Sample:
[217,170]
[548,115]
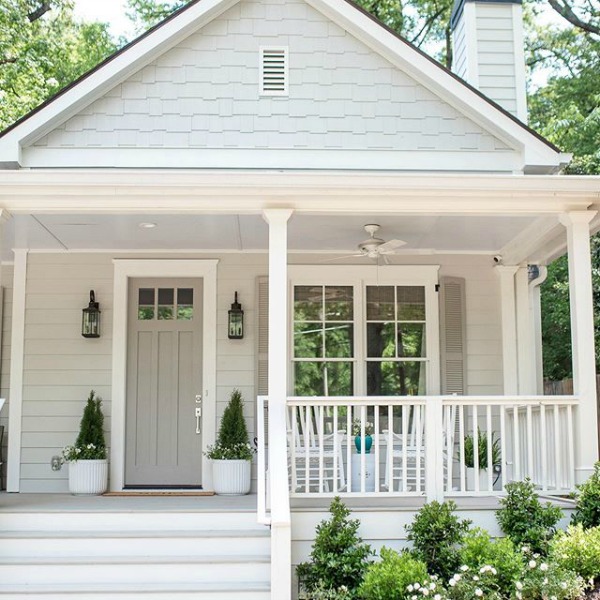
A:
[281,537]
[577,224]
[509,328]
[17,346]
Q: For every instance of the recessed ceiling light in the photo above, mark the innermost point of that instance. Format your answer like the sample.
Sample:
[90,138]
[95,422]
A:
[147,225]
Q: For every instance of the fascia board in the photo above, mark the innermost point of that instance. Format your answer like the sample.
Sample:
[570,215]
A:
[115,71]
[444,85]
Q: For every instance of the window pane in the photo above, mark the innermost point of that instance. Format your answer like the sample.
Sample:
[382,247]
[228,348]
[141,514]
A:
[411,340]
[338,303]
[308,340]
[411,303]
[308,303]
[185,304]
[380,340]
[396,378]
[323,379]
[166,298]
[380,303]
[308,379]
[145,304]
[338,340]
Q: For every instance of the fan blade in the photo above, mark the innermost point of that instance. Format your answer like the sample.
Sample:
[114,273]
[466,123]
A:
[343,257]
[390,247]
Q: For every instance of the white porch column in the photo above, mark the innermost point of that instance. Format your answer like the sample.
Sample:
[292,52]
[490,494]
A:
[281,535]
[509,328]
[526,349]
[582,336]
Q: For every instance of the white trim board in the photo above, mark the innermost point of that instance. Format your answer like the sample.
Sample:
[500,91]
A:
[196,268]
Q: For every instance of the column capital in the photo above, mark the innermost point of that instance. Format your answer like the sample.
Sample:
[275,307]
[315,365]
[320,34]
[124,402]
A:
[273,215]
[5,216]
[506,270]
[577,216]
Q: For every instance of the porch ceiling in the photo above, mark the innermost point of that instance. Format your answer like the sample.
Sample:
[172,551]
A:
[323,233]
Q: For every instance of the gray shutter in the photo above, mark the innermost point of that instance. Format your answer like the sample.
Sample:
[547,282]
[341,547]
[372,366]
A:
[262,342]
[453,335]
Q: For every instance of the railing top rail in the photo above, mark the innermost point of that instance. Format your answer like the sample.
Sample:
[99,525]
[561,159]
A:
[452,400]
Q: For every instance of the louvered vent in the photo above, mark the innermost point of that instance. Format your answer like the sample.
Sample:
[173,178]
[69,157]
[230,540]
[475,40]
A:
[274,71]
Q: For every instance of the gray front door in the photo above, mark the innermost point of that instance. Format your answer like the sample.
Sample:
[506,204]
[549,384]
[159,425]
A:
[164,380]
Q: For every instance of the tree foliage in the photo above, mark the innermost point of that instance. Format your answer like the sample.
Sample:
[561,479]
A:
[91,428]
[43,49]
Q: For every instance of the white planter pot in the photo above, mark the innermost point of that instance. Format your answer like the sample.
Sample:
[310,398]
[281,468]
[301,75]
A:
[483,480]
[231,477]
[88,477]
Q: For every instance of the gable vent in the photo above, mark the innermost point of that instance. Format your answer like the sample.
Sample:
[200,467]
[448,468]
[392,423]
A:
[273,71]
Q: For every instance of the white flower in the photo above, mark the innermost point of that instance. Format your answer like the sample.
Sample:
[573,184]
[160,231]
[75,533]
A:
[410,587]
[519,595]
[432,586]
[425,591]
[519,585]
[525,549]
[563,585]
[475,578]
[464,568]
[543,567]
[452,582]
[437,597]
[51,81]
[545,582]
[457,576]
[478,592]
[494,572]
[532,564]
[417,586]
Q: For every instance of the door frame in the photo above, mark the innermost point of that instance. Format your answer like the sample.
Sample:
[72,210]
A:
[124,269]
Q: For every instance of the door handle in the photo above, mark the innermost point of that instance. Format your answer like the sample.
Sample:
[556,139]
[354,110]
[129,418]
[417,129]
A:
[198,417]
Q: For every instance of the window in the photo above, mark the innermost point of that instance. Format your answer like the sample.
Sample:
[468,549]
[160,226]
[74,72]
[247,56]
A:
[323,347]
[395,340]
[166,309]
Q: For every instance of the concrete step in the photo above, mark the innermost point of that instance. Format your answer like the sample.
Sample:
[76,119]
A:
[134,543]
[43,571]
[240,590]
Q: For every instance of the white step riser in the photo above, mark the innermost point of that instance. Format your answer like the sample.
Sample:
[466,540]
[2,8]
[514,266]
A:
[119,546]
[128,521]
[36,574]
[116,595]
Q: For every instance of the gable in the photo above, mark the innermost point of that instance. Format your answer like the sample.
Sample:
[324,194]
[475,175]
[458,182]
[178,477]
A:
[348,107]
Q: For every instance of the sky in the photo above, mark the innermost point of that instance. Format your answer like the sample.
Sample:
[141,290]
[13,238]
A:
[111,11]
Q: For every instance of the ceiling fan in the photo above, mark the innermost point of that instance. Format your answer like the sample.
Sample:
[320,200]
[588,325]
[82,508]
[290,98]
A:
[375,247]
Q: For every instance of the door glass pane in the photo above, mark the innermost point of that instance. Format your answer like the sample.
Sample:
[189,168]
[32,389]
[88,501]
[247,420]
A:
[338,340]
[145,304]
[380,303]
[411,303]
[308,340]
[166,299]
[338,303]
[380,340]
[308,303]
[396,378]
[411,340]
[185,304]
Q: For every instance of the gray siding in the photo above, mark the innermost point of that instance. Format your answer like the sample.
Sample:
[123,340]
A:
[203,94]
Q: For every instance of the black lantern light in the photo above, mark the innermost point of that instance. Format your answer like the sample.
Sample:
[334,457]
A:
[236,321]
[90,322]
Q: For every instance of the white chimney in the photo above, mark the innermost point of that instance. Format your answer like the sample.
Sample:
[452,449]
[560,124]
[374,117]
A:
[488,42]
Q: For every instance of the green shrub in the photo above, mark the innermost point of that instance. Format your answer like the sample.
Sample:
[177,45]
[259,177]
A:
[90,443]
[322,593]
[388,579]
[339,558]
[544,580]
[436,534]
[587,511]
[524,519]
[578,550]
[479,550]
[482,450]
[470,584]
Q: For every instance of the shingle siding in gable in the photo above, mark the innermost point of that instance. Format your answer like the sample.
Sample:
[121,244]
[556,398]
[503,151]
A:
[204,94]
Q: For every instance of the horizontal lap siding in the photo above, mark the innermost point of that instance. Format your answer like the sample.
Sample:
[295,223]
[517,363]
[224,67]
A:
[60,366]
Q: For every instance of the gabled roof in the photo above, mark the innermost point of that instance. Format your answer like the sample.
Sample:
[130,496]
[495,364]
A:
[539,154]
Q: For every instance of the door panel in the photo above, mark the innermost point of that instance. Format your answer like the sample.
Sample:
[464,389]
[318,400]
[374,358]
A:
[164,372]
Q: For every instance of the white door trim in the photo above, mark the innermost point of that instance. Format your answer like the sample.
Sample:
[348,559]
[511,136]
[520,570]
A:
[124,269]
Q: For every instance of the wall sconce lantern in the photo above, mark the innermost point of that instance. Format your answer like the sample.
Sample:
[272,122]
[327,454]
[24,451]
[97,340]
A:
[236,321]
[90,322]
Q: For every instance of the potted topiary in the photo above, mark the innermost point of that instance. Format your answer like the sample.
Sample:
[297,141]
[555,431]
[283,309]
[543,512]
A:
[88,465]
[231,456]
[482,453]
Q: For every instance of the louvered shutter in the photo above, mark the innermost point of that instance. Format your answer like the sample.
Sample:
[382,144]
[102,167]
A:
[262,343]
[453,335]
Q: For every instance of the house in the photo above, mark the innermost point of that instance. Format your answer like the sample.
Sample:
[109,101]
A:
[243,146]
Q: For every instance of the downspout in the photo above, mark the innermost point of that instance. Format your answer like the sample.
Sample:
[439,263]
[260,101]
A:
[537,276]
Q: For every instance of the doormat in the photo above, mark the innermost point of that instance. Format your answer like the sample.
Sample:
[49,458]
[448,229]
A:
[160,493]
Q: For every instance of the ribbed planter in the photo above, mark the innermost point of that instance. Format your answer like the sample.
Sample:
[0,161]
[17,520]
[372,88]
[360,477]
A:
[88,477]
[231,477]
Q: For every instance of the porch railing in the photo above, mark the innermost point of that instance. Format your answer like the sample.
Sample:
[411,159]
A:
[428,445]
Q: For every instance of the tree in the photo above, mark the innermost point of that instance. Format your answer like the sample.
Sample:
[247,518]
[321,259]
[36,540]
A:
[43,49]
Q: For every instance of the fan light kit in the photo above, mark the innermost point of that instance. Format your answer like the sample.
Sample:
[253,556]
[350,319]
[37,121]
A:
[374,246]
